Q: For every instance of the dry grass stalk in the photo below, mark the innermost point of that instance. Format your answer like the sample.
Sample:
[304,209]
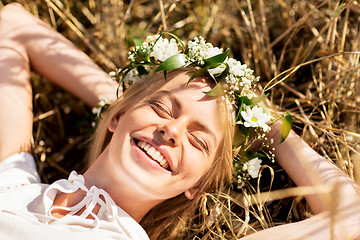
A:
[307,53]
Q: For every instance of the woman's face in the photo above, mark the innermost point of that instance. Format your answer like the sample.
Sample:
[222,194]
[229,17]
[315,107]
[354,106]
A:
[164,144]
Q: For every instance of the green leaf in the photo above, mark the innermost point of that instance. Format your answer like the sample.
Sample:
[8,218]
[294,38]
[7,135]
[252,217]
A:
[256,100]
[251,102]
[197,73]
[217,59]
[173,62]
[137,41]
[286,126]
[129,66]
[205,69]
[214,65]
[244,100]
[222,75]
[216,91]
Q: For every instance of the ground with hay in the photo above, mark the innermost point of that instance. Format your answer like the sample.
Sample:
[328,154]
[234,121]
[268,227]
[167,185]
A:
[306,53]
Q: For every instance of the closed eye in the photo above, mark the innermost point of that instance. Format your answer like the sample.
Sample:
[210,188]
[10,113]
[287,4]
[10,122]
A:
[199,143]
[161,109]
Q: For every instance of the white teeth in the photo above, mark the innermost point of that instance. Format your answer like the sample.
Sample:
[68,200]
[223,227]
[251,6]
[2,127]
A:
[162,161]
[151,151]
[155,154]
[147,146]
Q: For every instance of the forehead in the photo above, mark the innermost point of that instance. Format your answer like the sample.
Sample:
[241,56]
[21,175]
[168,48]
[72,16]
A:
[194,103]
[179,87]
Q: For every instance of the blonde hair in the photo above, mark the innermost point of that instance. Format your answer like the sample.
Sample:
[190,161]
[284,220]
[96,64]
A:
[169,219]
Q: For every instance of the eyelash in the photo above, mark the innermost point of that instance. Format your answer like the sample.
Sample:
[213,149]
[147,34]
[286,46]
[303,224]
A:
[157,105]
[202,144]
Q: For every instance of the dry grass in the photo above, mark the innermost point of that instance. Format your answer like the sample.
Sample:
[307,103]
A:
[306,52]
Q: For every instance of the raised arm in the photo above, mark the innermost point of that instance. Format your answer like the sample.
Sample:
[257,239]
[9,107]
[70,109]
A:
[54,57]
[26,41]
[337,211]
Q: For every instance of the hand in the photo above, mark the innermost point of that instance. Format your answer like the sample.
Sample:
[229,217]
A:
[270,140]
[55,57]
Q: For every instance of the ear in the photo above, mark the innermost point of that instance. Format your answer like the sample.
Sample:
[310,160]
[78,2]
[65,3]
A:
[191,193]
[112,125]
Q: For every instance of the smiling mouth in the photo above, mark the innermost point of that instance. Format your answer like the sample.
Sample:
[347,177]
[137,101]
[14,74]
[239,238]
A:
[153,153]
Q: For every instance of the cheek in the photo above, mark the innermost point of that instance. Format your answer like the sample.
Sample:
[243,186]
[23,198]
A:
[136,119]
[197,164]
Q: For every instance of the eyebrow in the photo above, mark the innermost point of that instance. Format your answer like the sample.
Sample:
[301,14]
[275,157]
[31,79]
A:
[172,97]
[179,105]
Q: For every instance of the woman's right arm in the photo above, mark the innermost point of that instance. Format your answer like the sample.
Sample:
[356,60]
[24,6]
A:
[56,58]
[337,211]
[26,41]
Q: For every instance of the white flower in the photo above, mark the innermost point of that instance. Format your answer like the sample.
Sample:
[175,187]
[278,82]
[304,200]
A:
[199,50]
[212,51]
[133,75]
[240,76]
[112,75]
[102,102]
[152,38]
[236,68]
[96,110]
[253,167]
[256,117]
[164,49]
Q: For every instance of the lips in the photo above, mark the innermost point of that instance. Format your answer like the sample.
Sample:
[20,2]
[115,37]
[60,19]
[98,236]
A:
[151,151]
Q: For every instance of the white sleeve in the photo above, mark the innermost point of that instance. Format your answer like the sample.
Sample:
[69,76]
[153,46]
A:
[15,227]
[18,169]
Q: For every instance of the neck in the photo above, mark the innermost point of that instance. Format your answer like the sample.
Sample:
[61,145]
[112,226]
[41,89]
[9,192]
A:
[68,200]
[132,202]
[127,196]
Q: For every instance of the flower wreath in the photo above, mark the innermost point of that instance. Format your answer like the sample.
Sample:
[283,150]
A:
[235,83]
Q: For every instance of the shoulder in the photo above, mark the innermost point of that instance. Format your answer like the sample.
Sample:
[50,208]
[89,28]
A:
[18,169]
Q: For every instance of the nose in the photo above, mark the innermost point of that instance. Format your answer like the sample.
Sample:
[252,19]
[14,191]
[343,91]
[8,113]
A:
[173,131]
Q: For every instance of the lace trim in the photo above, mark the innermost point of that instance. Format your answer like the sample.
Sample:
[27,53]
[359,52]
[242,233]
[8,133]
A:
[108,210]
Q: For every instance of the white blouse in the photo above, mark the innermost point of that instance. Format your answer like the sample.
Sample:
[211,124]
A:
[26,205]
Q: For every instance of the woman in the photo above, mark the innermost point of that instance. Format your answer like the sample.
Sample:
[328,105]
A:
[129,183]
[142,187]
